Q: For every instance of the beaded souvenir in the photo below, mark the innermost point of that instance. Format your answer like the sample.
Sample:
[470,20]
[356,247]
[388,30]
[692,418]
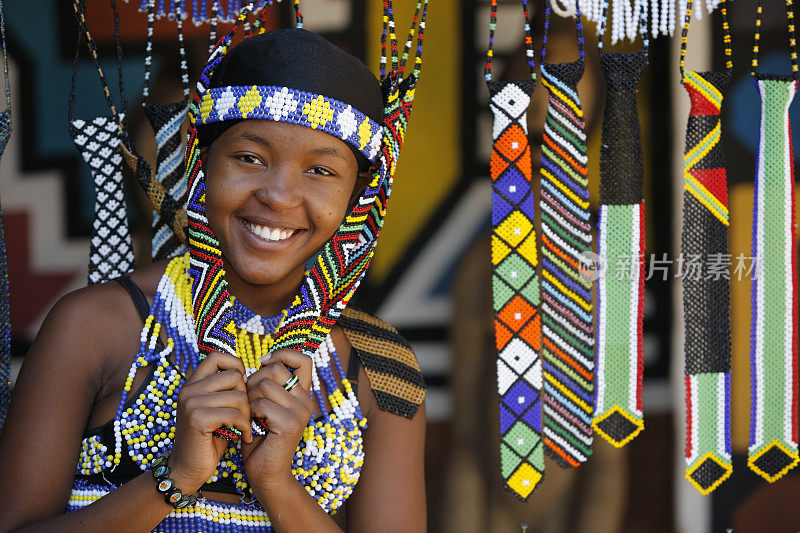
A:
[773,449]
[5,312]
[99,142]
[338,269]
[566,295]
[169,212]
[201,11]
[166,120]
[328,460]
[515,285]
[706,298]
[628,17]
[618,405]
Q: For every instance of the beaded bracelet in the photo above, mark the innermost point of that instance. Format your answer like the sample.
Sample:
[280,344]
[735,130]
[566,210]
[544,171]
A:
[166,485]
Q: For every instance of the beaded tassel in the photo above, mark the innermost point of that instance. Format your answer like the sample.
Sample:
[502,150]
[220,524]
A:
[515,285]
[706,300]
[566,307]
[773,449]
[5,312]
[618,404]
[166,120]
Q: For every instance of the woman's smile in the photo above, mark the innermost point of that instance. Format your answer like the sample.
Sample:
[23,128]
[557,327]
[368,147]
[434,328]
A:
[269,237]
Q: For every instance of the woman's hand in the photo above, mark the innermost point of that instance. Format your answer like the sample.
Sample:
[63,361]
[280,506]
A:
[268,459]
[213,396]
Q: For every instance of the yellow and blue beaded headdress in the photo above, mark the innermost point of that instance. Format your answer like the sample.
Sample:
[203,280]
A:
[339,268]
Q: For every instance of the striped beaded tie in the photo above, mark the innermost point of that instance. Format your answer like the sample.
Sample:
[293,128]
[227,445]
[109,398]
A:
[706,298]
[773,449]
[99,142]
[5,312]
[566,306]
[515,285]
[166,120]
[618,408]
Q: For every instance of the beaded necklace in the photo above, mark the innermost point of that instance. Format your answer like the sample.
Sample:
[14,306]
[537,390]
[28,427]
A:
[515,285]
[618,402]
[330,454]
[166,120]
[566,305]
[5,312]
[99,142]
[773,448]
[339,268]
[706,300]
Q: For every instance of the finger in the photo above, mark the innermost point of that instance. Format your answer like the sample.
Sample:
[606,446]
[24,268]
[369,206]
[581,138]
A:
[222,380]
[271,413]
[228,398]
[209,419]
[300,362]
[273,391]
[277,372]
[214,362]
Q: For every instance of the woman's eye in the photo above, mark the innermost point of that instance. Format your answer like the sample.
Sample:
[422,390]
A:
[321,171]
[249,159]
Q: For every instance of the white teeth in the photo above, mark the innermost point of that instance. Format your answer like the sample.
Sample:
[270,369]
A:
[269,234]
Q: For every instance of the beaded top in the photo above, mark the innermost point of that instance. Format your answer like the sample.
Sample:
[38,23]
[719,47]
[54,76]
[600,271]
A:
[328,459]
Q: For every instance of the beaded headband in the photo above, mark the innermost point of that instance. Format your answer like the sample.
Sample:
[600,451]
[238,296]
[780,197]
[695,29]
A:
[293,106]
[339,268]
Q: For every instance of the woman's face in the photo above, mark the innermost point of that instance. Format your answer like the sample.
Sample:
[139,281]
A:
[275,194]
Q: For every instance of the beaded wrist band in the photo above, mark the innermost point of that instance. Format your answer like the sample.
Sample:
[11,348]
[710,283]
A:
[166,485]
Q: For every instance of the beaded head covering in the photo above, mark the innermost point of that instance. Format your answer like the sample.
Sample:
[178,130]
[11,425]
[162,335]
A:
[339,268]
[5,315]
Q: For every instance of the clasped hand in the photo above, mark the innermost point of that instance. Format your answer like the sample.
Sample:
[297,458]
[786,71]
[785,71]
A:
[217,394]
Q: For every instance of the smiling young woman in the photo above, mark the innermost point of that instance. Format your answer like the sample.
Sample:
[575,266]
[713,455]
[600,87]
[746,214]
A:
[137,408]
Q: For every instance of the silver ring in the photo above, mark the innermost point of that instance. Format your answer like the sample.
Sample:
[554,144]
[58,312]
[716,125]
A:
[292,383]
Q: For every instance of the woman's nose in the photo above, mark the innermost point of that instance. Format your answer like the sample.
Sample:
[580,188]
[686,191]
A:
[280,190]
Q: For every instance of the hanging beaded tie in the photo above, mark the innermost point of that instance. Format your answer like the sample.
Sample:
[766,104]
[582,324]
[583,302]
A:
[99,142]
[5,312]
[773,449]
[618,407]
[706,297]
[515,285]
[566,306]
[166,120]
[337,271]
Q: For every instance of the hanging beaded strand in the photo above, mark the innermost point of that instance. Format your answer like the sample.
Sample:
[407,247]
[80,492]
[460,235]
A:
[566,292]
[515,285]
[773,448]
[618,416]
[706,300]
[5,311]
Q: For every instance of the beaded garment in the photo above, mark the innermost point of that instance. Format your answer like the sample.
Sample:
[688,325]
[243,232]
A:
[618,404]
[166,120]
[706,299]
[566,307]
[515,285]
[773,449]
[328,459]
[201,10]
[338,269]
[99,141]
[5,311]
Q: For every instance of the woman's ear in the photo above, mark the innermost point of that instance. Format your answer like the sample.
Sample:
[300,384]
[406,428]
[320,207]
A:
[363,178]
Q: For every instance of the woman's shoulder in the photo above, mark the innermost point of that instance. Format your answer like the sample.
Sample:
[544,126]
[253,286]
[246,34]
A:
[388,360]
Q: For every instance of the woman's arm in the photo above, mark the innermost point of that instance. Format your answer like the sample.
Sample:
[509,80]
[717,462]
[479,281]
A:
[390,495]
[52,400]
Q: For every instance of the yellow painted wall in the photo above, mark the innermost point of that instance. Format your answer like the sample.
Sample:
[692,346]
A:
[429,162]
